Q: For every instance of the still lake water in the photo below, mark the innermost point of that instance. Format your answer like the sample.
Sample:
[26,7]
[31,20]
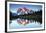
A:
[24,23]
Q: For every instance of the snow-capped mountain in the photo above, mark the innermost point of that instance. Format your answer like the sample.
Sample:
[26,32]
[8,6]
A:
[24,10]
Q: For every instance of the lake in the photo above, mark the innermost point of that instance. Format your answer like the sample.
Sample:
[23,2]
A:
[24,23]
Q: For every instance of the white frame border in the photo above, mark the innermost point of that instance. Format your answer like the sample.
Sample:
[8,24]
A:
[25,28]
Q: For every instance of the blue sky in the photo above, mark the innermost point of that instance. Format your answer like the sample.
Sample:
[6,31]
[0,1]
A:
[14,7]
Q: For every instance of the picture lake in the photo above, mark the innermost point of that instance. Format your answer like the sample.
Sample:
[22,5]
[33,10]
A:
[25,16]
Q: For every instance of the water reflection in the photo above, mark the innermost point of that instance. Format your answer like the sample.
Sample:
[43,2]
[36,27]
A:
[24,23]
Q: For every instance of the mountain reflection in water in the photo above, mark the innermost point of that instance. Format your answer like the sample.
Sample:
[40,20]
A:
[24,23]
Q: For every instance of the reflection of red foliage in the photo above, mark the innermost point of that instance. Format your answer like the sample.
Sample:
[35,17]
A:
[24,22]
